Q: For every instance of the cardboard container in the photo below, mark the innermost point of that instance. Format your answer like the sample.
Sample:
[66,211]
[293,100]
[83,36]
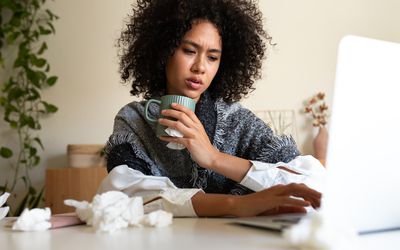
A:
[85,155]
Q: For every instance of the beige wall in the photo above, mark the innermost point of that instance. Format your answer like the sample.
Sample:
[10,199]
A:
[303,62]
[89,94]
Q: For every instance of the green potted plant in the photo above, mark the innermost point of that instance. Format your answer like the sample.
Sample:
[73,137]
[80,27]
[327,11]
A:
[23,25]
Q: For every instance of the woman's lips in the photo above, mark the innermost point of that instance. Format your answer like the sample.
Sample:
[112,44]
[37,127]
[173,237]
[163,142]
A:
[193,84]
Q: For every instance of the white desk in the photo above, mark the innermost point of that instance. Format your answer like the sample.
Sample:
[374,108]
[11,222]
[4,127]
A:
[185,233]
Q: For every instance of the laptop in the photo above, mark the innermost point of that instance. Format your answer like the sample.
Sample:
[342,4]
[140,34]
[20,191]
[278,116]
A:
[363,188]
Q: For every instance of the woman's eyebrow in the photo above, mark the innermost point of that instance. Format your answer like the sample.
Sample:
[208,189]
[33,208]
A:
[197,46]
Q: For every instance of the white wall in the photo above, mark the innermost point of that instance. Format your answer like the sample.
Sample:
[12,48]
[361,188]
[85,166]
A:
[89,92]
[303,62]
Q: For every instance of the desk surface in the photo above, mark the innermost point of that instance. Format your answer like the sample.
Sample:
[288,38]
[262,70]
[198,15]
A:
[184,233]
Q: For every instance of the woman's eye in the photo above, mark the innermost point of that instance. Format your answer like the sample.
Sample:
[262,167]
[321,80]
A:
[213,58]
[189,51]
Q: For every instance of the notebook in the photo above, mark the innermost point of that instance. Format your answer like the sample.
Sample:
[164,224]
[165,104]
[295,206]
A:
[363,188]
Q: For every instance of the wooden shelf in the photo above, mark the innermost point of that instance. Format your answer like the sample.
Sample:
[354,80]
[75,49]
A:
[71,183]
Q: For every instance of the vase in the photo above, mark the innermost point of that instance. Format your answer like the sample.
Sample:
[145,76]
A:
[321,144]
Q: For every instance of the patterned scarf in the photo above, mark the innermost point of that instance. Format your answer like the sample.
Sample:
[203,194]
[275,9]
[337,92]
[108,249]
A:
[231,129]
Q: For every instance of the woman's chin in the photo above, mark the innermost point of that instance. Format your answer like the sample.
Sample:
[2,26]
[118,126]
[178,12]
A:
[192,94]
[195,96]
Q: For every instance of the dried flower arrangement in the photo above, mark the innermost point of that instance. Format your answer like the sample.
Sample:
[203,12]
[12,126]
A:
[318,109]
[282,122]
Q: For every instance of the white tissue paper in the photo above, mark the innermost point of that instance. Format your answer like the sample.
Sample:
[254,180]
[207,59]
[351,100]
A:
[114,210]
[178,201]
[322,232]
[151,188]
[174,133]
[158,218]
[4,210]
[311,172]
[37,219]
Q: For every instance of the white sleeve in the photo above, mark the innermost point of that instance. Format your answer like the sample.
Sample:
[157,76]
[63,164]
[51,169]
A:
[263,175]
[157,192]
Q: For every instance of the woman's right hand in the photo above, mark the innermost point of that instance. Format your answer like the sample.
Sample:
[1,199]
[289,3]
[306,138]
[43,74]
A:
[277,199]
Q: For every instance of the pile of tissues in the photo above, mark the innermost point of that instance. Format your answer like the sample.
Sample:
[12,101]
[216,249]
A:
[108,212]
[114,210]
[3,210]
[37,219]
[30,220]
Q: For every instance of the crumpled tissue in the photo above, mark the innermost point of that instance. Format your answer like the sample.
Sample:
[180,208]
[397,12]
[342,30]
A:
[4,210]
[157,218]
[174,133]
[151,188]
[319,231]
[312,173]
[114,210]
[36,219]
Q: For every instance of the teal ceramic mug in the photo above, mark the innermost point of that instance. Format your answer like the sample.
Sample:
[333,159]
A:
[165,103]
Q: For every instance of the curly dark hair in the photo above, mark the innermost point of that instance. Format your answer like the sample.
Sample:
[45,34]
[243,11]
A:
[156,28]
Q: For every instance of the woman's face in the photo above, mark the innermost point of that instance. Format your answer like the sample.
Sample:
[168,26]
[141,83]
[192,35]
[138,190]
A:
[194,64]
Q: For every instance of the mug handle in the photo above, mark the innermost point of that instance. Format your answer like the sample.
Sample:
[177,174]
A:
[146,109]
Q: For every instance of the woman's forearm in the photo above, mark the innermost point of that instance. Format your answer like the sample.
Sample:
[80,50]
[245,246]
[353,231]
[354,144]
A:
[214,204]
[280,198]
[232,167]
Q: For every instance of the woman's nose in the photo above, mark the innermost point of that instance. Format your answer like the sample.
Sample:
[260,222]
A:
[198,66]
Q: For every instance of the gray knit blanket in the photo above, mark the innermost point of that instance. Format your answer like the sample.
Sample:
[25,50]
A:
[231,129]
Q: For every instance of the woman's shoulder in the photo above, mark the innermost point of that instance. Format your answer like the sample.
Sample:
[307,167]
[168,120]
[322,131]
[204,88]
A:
[233,110]
[134,106]
[235,115]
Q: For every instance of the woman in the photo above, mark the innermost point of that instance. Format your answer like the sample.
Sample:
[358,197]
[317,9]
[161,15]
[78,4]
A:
[233,164]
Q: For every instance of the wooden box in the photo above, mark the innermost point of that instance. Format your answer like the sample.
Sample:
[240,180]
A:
[71,183]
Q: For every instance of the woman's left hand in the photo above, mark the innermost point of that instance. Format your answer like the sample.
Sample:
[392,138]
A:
[194,138]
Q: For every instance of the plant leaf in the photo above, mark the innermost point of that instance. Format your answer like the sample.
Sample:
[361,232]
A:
[33,94]
[32,151]
[37,199]
[32,190]
[3,101]
[42,48]
[4,188]
[44,31]
[35,3]
[52,80]
[13,124]
[25,179]
[36,160]
[12,37]
[38,62]
[15,93]
[51,15]
[37,139]
[22,205]
[50,108]
[33,78]
[51,27]
[6,152]
[27,120]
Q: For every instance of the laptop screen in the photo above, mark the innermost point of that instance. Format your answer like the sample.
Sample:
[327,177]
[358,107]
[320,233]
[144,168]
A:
[363,149]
